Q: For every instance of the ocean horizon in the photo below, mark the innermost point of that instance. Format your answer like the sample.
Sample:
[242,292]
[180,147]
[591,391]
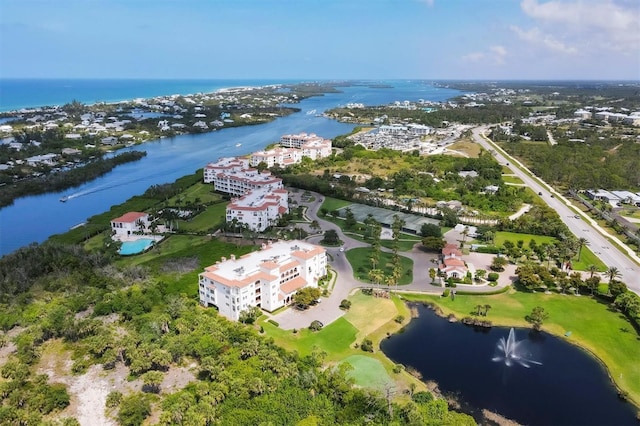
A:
[18,93]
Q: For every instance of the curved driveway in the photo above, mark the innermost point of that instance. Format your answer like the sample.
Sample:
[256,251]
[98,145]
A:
[581,226]
[328,310]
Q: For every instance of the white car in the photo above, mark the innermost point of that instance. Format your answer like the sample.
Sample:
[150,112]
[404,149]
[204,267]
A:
[341,248]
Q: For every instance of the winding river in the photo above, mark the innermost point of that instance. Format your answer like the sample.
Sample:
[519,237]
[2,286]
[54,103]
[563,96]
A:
[35,218]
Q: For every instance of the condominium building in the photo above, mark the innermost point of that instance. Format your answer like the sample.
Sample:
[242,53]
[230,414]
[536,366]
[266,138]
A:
[282,156]
[234,176]
[296,141]
[268,278]
[259,209]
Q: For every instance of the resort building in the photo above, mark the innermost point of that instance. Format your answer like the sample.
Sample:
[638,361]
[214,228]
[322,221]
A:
[234,176]
[130,223]
[282,156]
[452,265]
[301,139]
[268,278]
[259,209]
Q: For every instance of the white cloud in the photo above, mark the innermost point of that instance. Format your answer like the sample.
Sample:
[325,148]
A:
[614,25]
[536,37]
[495,54]
[473,57]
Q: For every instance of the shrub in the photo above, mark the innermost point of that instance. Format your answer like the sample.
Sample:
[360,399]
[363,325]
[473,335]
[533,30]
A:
[446,292]
[367,345]
[399,319]
[422,397]
[315,325]
[273,322]
[367,291]
[493,276]
[345,304]
[133,410]
[398,368]
[113,399]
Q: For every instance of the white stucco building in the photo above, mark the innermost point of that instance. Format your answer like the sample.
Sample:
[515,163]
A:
[259,209]
[268,278]
[234,176]
[130,223]
[296,141]
[282,156]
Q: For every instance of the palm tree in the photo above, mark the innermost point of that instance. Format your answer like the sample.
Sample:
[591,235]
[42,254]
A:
[592,269]
[486,309]
[478,309]
[581,243]
[613,273]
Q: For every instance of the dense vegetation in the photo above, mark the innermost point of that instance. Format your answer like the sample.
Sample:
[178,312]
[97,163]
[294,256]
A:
[242,378]
[64,179]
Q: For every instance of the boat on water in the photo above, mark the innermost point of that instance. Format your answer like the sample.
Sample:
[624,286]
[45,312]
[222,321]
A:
[312,112]
[64,199]
[238,145]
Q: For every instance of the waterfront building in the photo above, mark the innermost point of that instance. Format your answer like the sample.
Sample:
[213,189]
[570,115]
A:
[268,278]
[281,156]
[259,209]
[233,176]
[296,141]
[130,223]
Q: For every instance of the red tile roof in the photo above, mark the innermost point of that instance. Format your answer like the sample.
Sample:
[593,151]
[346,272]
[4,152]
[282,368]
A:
[130,217]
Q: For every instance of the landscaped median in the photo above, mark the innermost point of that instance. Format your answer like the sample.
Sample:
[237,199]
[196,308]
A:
[593,325]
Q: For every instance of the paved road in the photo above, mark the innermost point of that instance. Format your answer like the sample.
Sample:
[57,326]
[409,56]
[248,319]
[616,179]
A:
[582,226]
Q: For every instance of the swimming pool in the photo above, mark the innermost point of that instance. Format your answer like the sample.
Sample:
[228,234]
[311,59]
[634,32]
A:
[134,247]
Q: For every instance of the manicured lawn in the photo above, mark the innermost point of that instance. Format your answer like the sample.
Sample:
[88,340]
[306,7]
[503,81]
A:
[202,191]
[587,258]
[369,313]
[605,333]
[368,372]
[332,204]
[212,216]
[501,237]
[359,259]
[335,339]
[405,243]
[512,179]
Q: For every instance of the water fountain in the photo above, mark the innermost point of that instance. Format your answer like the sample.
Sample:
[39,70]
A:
[509,353]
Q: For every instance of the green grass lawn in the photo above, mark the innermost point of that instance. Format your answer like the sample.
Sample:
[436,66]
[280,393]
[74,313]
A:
[335,339]
[212,216]
[405,243]
[501,237]
[603,332]
[368,372]
[359,259]
[512,179]
[202,191]
[360,313]
[332,204]
[587,258]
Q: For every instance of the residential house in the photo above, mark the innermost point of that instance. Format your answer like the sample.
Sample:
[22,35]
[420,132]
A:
[130,223]
[452,265]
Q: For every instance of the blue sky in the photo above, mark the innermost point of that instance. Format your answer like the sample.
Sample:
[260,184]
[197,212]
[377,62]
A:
[312,39]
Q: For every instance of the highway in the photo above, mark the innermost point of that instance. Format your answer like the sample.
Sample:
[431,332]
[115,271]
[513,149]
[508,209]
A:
[580,224]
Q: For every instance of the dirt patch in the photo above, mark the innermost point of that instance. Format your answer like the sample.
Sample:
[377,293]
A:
[177,378]
[9,347]
[497,419]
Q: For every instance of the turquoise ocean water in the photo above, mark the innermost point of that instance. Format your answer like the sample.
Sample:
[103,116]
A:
[25,93]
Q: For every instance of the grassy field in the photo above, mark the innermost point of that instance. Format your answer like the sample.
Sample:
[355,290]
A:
[212,216]
[467,146]
[368,372]
[512,179]
[593,326]
[587,258]
[338,340]
[501,237]
[359,259]
[360,313]
[332,204]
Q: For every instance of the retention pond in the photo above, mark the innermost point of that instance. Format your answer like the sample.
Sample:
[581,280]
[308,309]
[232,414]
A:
[532,378]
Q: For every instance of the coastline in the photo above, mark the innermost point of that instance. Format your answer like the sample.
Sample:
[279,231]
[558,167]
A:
[220,87]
